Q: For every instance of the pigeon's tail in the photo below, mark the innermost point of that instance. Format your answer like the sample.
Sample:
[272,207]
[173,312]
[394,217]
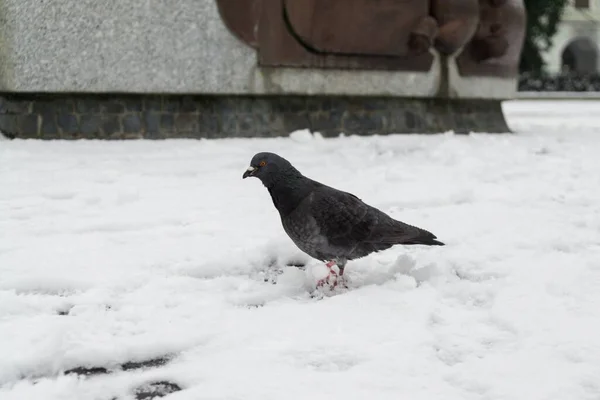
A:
[431,241]
[405,234]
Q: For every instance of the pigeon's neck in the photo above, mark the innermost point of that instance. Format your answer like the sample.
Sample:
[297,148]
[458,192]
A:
[289,192]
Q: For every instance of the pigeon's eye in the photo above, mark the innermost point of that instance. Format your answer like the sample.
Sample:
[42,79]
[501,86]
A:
[262,163]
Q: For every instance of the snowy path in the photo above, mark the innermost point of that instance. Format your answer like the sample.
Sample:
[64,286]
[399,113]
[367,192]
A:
[124,251]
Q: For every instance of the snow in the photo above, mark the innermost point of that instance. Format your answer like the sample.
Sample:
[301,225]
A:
[159,248]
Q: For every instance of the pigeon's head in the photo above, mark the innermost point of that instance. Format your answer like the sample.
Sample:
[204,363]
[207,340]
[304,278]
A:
[269,168]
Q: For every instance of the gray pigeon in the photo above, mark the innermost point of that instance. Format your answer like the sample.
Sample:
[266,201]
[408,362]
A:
[328,224]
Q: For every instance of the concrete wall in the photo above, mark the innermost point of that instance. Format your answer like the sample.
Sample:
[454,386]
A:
[479,86]
[183,47]
[118,116]
[157,46]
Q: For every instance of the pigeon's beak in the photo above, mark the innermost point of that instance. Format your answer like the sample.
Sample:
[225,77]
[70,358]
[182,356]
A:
[249,172]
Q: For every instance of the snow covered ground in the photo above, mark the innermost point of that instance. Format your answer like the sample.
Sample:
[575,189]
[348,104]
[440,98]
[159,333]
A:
[127,251]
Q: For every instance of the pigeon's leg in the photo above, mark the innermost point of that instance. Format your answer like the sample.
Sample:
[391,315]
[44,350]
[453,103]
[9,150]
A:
[332,277]
[341,263]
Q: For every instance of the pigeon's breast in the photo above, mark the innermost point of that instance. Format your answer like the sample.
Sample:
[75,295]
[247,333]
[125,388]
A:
[304,232]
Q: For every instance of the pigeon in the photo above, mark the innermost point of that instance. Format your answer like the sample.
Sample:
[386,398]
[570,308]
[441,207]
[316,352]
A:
[328,224]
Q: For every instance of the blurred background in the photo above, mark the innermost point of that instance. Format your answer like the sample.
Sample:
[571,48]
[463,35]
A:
[560,52]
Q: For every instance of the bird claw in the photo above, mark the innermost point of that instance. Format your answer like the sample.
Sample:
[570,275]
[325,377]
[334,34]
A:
[330,280]
[333,279]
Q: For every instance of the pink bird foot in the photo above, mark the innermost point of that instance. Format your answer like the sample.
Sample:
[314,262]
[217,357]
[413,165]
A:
[332,278]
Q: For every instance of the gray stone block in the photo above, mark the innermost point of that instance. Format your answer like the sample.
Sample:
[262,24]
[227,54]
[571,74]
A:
[152,122]
[111,125]
[295,121]
[395,119]
[228,122]
[413,121]
[205,105]
[313,104]
[133,103]
[378,104]
[132,123]
[186,123]
[167,123]
[362,123]
[130,135]
[208,125]
[54,105]
[153,103]
[295,105]
[322,121]
[188,105]
[8,124]
[230,105]
[83,105]
[12,105]
[90,125]
[344,104]
[28,125]
[171,104]
[49,127]
[112,106]
[67,123]
[334,118]
[263,123]
[247,123]
[245,105]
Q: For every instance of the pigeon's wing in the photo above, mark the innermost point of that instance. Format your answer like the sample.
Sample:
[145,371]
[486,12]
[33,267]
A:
[345,220]
[342,217]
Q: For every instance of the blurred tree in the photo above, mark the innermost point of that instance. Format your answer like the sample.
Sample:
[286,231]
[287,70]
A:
[543,17]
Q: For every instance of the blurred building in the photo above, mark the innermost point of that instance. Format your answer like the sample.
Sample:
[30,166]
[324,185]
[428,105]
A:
[576,46]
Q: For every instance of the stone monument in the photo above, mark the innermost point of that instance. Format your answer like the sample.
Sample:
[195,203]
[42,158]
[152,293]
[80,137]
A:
[243,68]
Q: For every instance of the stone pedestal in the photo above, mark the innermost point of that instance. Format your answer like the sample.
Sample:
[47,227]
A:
[171,116]
[226,68]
